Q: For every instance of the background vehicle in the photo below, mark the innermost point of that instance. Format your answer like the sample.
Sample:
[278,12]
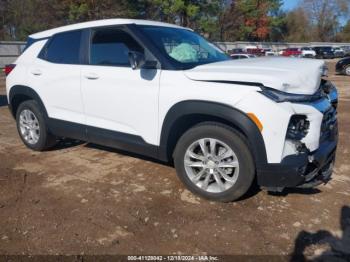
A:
[308,52]
[236,51]
[346,50]
[338,52]
[269,52]
[280,52]
[324,52]
[343,66]
[294,52]
[163,91]
[254,50]
[242,56]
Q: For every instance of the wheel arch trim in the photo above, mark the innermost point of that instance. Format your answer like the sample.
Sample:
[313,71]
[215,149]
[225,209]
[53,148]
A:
[235,117]
[26,91]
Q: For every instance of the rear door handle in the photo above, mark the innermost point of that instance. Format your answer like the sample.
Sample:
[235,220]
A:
[91,76]
[36,72]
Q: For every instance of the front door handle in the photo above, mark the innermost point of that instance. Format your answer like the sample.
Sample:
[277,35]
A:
[91,76]
[36,72]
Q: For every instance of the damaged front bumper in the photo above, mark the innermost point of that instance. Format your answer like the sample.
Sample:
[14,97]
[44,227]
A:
[304,170]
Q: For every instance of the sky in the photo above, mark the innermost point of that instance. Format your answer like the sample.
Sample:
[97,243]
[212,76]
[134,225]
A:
[290,4]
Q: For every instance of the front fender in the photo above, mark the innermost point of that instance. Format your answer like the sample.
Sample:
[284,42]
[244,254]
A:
[236,118]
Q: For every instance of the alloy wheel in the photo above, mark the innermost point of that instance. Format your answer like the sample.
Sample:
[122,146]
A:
[347,71]
[29,127]
[211,165]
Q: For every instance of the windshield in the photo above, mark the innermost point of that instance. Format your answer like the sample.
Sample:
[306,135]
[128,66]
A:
[183,47]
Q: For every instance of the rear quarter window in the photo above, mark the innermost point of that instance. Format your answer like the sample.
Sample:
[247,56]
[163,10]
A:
[29,42]
[63,48]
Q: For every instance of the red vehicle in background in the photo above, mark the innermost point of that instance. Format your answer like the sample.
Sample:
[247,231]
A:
[295,52]
[255,51]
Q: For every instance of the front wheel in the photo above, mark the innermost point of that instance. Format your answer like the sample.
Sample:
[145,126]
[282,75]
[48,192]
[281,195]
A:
[347,70]
[214,161]
[32,128]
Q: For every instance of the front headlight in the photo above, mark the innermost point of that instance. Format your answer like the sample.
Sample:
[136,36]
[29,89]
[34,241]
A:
[279,96]
[298,127]
[332,93]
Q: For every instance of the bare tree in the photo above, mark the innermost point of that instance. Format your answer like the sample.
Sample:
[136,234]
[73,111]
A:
[325,15]
[298,26]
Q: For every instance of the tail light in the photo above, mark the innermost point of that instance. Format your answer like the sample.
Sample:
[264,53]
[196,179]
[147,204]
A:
[8,68]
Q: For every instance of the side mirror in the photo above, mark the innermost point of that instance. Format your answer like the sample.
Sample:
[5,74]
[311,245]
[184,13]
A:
[136,59]
[150,64]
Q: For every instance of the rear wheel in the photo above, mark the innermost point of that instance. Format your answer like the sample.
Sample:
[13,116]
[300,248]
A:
[32,128]
[214,161]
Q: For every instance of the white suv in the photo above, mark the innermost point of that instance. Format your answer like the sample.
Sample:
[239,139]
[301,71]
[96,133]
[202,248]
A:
[163,91]
[308,52]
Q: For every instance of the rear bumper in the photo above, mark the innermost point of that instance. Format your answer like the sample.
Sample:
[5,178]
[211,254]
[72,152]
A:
[308,56]
[327,56]
[302,170]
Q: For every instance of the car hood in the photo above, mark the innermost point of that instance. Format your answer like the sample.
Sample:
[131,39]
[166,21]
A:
[291,75]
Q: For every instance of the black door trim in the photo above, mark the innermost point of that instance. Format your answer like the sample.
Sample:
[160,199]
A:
[104,137]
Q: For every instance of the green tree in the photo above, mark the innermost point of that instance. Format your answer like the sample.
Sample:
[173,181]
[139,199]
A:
[87,10]
[208,22]
[181,12]
[225,20]
[259,18]
[201,15]
[19,18]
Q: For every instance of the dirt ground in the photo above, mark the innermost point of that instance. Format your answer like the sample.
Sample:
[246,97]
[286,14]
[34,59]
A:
[83,199]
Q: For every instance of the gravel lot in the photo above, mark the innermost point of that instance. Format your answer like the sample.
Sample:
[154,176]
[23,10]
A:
[84,199]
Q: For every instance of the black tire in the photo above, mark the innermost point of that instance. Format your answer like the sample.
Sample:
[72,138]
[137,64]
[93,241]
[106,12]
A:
[235,141]
[46,140]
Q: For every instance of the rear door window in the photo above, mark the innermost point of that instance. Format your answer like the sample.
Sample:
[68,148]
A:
[64,48]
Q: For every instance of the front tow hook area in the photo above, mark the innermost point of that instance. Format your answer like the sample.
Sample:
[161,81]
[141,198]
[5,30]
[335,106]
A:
[323,176]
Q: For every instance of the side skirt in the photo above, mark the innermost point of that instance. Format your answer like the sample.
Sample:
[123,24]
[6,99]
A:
[104,137]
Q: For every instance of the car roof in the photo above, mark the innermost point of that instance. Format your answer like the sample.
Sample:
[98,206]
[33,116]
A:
[100,23]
